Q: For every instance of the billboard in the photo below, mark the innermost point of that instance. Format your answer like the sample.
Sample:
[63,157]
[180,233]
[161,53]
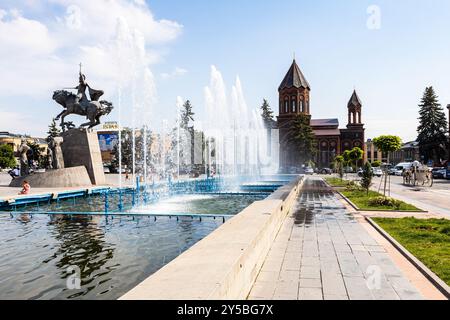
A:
[107,141]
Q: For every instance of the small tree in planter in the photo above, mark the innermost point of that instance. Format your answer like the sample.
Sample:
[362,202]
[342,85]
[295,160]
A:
[387,144]
[339,160]
[356,154]
[367,176]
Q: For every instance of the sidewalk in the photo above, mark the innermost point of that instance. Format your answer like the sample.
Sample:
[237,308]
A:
[323,253]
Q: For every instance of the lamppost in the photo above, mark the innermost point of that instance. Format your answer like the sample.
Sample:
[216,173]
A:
[448,144]
[448,107]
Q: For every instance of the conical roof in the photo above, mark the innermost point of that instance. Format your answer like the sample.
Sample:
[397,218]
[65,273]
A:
[354,100]
[294,78]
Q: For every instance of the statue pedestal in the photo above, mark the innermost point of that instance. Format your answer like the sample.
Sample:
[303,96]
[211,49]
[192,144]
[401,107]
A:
[60,178]
[81,148]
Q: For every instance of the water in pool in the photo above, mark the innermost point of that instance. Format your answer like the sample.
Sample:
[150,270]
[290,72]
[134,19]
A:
[112,254]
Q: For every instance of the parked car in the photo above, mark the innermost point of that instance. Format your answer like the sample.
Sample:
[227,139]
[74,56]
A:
[402,167]
[377,172]
[326,171]
[439,173]
[309,171]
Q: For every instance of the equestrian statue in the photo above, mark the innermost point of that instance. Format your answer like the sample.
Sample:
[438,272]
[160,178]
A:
[79,104]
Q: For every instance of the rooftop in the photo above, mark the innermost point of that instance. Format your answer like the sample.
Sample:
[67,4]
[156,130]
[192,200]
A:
[325,123]
[294,78]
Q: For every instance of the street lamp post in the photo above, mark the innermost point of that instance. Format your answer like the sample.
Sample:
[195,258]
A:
[448,144]
[448,107]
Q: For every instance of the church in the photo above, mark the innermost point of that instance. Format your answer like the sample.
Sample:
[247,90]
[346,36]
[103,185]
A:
[294,98]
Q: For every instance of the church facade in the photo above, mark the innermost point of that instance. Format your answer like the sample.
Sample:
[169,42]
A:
[294,98]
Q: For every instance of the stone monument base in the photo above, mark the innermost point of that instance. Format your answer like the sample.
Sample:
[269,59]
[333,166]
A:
[61,178]
[81,148]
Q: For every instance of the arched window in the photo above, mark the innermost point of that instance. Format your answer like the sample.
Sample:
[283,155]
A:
[294,105]
[302,110]
[286,105]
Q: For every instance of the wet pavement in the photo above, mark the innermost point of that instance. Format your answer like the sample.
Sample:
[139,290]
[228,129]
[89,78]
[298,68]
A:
[323,253]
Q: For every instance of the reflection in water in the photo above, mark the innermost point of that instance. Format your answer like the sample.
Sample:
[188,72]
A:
[114,254]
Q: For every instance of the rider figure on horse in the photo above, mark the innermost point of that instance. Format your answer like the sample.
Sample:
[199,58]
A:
[82,98]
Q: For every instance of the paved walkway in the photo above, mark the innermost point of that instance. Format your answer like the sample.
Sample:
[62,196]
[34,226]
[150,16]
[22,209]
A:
[323,253]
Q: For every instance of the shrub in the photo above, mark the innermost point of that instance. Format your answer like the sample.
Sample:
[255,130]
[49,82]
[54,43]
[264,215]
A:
[385,202]
[352,186]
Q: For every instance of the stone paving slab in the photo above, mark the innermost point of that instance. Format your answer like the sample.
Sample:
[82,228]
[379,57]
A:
[323,253]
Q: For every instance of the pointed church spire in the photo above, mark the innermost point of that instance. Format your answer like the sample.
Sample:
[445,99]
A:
[294,78]
[354,100]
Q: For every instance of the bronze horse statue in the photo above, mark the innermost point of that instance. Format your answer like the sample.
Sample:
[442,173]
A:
[93,110]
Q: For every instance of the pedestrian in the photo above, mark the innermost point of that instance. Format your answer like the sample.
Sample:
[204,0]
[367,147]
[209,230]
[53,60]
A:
[25,188]
[14,173]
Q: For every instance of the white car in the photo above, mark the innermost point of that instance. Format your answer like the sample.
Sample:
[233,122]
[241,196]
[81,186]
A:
[377,172]
[401,167]
[309,171]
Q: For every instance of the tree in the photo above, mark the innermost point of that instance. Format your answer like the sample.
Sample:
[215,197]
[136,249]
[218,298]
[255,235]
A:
[302,136]
[347,158]
[376,164]
[267,115]
[339,160]
[36,153]
[7,159]
[355,155]
[53,131]
[367,176]
[387,144]
[187,115]
[432,127]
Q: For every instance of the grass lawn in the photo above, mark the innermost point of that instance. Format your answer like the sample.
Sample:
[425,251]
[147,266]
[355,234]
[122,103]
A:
[337,182]
[361,199]
[428,240]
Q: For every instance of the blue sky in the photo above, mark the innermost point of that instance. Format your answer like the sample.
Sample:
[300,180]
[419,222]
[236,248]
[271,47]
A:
[389,67]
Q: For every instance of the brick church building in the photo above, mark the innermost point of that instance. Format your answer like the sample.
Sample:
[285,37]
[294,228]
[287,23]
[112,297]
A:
[294,98]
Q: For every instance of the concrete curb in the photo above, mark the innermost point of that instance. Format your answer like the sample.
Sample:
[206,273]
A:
[430,275]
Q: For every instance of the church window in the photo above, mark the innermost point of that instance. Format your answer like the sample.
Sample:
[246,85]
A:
[286,106]
[301,106]
[294,105]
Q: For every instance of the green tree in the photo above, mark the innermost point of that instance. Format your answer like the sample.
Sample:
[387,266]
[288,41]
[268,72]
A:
[347,158]
[267,115]
[367,176]
[302,136]
[355,155]
[387,144]
[53,131]
[432,128]
[187,116]
[7,159]
[376,164]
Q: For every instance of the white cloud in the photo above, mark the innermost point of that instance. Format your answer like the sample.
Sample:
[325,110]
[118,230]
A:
[41,55]
[178,72]
[23,37]
[16,122]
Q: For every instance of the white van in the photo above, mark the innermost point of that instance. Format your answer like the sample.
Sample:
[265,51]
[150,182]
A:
[402,166]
